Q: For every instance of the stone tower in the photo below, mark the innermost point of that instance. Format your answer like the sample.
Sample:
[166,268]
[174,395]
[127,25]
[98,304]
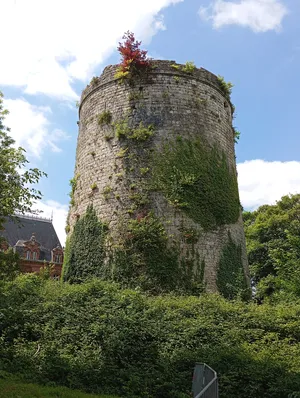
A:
[164,143]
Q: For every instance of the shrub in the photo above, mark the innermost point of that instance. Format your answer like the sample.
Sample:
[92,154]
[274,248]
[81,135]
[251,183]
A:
[100,338]
[133,59]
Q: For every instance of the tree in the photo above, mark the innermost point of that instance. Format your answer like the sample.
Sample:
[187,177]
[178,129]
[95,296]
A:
[9,264]
[273,243]
[16,196]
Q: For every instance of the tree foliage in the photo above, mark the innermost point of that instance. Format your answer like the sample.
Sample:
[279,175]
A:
[273,243]
[16,195]
[9,264]
[131,54]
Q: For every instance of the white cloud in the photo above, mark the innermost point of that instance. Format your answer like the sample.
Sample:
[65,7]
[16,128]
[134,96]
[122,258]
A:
[54,42]
[259,15]
[57,211]
[262,182]
[30,127]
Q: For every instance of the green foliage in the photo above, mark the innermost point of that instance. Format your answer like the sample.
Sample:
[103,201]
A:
[99,338]
[226,87]
[122,153]
[106,191]
[12,387]
[198,181]
[139,133]
[231,280]
[94,81]
[105,118]
[190,235]
[145,259]
[9,264]
[94,186]
[189,67]
[16,196]
[73,184]
[237,135]
[84,257]
[273,244]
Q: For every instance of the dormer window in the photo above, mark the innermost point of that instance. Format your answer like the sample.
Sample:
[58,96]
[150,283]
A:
[57,255]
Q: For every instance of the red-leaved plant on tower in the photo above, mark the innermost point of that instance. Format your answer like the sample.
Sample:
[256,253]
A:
[133,59]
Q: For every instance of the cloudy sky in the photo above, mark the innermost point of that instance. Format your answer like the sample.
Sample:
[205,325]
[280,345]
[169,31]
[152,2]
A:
[50,50]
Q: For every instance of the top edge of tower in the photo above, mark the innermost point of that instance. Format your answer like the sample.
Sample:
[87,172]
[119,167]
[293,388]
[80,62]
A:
[158,67]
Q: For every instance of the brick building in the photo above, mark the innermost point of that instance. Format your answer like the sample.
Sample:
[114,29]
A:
[35,239]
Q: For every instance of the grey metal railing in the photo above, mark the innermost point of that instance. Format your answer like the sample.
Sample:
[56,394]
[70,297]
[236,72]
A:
[205,382]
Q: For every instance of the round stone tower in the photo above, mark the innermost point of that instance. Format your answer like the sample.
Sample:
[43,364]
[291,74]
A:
[163,143]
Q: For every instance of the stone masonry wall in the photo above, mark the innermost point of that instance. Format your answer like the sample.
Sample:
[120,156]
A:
[176,104]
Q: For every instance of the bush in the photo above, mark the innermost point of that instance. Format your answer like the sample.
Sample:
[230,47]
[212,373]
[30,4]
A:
[100,338]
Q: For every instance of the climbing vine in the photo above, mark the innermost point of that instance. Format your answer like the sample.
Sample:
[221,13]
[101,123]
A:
[73,183]
[198,181]
[85,254]
[146,260]
[231,281]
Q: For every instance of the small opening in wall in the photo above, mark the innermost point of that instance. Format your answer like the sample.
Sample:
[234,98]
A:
[225,105]
[141,88]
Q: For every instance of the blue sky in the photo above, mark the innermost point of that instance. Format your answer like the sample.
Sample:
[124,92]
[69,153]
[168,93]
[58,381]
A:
[52,49]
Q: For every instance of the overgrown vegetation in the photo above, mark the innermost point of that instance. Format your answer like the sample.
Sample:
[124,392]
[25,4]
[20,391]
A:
[273,244]
[226,87]
[73,184]
[189,67]
[9,263]
[198,181]
[134,61]
[84,253]
[105,118]
[16,195]
[139,133]
[231,280]
[145,260]
[98,337]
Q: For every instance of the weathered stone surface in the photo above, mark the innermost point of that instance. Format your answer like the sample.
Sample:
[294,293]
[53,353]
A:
[176,103]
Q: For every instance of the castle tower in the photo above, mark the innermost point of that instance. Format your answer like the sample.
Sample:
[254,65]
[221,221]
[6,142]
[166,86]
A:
[164,143]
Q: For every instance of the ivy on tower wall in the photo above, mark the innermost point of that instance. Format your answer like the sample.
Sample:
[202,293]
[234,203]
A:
[84,253]
[197,180]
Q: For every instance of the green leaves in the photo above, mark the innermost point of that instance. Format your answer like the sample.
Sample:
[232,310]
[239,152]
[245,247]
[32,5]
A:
[16,195]
[97,337]
[273,242]
[84,254]
[197,179]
